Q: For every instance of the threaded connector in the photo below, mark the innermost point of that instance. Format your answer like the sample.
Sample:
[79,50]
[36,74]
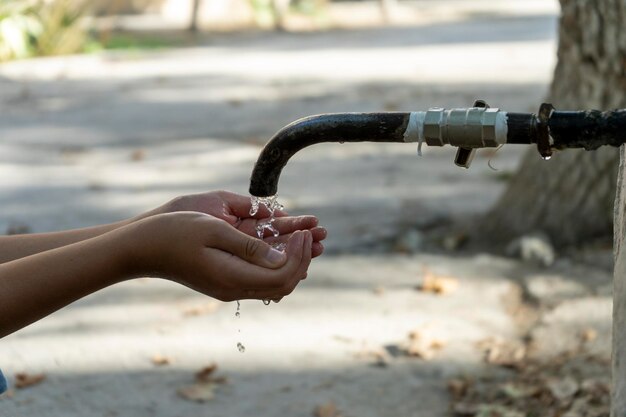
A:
[474,127]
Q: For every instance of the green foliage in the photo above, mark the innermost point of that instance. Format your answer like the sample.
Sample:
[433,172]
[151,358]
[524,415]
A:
[39,27]
[63,31]
[133,42]
[19,28]
[264,12]
[273,13]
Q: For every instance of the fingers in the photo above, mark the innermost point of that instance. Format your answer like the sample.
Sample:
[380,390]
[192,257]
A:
[248,248]
[239,279]
[318,234]
[317,249]
[240,205]
[294,279]
[285,225]
[290,224]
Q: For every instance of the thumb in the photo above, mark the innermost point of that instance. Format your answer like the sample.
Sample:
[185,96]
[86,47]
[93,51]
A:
[250,249]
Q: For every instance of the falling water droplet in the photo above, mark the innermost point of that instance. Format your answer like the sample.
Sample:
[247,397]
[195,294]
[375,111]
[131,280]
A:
[267,301]
[546,158]
[238,315]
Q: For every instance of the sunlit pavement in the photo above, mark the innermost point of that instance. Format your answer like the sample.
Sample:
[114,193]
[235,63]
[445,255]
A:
[94,139]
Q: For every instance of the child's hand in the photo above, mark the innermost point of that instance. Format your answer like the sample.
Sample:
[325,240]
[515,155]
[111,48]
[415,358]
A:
[211,256]
[235,210]
[221,204]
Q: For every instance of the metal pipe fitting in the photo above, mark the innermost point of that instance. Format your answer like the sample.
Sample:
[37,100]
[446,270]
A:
[468,129]
[474,127]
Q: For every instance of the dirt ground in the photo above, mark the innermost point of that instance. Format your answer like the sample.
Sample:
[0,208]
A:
[394,320]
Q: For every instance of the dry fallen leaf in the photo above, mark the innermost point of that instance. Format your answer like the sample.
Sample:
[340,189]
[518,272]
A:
[458,387]
[204,388]
[201,392]
[326,410]
[24,380]
[588,335]
[437,284]
[378,290]
[7,394]
[137,155]
[422,345]
[379,356]
[206,308]
[503,353]
[160,360]
[207,374]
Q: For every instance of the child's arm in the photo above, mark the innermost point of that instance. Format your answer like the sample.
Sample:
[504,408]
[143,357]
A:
[194,249]
[20,246]
[231,207]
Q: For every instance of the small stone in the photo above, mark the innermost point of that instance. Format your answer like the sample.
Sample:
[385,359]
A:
[563,389]
[534,248]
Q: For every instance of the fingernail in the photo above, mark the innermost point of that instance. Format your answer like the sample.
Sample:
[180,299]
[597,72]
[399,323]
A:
[299,238]
[275,256]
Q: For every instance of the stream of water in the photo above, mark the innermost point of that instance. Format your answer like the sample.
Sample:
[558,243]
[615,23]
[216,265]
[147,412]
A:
[272,204]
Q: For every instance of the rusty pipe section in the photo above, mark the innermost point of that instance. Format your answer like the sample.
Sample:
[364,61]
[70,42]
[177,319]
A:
[465,128]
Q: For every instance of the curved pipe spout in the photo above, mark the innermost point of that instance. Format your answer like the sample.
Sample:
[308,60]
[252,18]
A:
[340,127]
[467,129]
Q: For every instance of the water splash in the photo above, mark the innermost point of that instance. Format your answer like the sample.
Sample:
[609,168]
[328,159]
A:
[272,204]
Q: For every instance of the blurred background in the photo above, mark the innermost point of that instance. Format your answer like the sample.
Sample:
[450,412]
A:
[442,292]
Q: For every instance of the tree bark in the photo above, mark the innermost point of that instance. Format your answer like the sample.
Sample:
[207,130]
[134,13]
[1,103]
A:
[193,21]
[618,397]
[571,196]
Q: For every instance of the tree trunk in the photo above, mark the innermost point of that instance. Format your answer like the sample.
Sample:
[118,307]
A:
[571,196]
[618,397]
[193,21]
[388,9]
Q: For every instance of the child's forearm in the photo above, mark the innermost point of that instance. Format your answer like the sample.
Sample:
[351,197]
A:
[35,286]
[20,246]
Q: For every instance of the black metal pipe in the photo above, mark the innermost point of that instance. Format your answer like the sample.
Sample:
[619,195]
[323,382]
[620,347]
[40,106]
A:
[587,129]
[553,130]
[340,127]
[521,128]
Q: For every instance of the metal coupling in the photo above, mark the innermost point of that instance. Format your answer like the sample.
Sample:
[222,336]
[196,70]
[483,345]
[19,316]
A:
[474,127]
